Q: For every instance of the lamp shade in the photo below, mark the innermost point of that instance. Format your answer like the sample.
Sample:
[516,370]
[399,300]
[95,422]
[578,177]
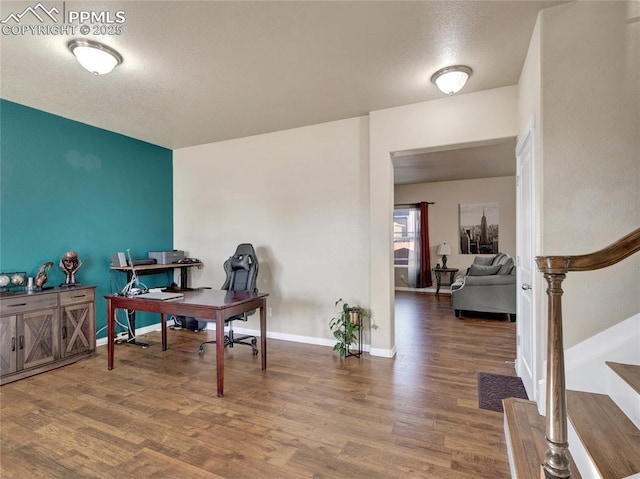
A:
[95,57]
[450,80]
[444,249]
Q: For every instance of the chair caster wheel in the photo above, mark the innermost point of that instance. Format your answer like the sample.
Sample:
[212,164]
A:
[255,352]
[254,341]
[201,350]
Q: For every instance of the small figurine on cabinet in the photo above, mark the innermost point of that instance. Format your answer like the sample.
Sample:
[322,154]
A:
[41,275]
[69,263]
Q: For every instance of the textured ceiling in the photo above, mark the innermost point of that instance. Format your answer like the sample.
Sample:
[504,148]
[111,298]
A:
[481,160]
[200,72]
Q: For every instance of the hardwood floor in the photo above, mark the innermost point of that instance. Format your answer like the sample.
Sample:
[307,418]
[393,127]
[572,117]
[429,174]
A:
[309,415]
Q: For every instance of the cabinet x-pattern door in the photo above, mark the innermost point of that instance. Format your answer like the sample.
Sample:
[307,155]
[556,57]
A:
[77,329]
[38,340]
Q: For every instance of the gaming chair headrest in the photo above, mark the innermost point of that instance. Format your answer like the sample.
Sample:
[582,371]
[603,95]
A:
[240,261]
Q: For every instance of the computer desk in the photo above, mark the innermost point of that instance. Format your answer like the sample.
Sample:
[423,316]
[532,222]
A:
[145,269]
[216,305]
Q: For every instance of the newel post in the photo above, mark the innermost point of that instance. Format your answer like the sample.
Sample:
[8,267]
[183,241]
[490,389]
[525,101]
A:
[556,460]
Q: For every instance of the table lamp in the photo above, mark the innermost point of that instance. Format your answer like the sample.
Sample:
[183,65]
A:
[443,250]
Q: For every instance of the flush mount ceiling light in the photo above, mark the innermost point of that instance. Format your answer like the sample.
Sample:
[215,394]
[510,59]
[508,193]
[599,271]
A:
[95,57]
[450,80]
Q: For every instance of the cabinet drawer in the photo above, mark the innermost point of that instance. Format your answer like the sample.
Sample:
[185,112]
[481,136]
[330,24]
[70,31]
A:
[77,296]
[23,303]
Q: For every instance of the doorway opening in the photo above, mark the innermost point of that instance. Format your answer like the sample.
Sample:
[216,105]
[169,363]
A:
[449,176]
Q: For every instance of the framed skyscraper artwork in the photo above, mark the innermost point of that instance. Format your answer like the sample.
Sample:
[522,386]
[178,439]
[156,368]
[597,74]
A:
[479,228]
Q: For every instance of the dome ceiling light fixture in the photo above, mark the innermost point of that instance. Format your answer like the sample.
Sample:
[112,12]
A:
[95,57]
[450,80]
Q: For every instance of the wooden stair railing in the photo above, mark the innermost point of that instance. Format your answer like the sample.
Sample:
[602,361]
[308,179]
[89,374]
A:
[555,269]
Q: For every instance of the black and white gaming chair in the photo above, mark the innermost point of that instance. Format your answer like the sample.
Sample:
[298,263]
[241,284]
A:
[242,273]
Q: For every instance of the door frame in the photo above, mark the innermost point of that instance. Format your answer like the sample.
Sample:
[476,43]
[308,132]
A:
[526,144]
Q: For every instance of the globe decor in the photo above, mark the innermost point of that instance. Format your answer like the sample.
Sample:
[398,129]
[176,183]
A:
[12,280]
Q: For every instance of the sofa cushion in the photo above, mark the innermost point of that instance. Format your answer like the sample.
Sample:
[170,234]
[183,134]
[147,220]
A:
[481,270]
[483,261]
[489,281]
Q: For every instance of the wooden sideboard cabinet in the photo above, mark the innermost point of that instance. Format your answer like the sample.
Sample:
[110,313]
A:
[77,322]
[44,330]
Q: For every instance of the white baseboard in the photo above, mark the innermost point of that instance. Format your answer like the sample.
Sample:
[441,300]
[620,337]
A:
[139,332]
[385,353]
[618,343]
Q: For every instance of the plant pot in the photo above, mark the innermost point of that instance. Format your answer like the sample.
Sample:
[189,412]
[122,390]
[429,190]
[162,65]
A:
[354,317]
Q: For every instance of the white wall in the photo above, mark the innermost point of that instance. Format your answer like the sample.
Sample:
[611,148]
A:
[444,215]
[460,119]
[301,197]
[590,110]
[529,115]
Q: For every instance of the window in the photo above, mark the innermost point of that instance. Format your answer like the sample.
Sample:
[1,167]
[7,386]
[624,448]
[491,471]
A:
[404,236]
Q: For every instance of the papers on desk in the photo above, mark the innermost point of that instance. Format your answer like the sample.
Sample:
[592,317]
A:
[160,295]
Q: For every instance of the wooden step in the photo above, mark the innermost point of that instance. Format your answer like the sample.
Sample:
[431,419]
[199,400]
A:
[524,428]
[629,372]
[610,438]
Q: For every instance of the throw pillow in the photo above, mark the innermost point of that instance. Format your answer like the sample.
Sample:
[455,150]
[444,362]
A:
[481,270]
[483,261]
[498,258]
[505,268]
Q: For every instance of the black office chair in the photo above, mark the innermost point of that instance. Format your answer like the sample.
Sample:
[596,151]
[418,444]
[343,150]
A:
[242,273]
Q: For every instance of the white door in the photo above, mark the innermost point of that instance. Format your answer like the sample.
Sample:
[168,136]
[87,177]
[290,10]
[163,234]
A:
[525,234]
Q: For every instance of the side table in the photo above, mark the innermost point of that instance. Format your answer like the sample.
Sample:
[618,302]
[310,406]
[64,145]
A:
[438,272]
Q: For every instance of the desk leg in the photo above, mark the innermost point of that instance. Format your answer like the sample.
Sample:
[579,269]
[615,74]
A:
[184,279]
[110,334]
[132,332]
[163,318]
[438,281]
[263,333]
[220,352]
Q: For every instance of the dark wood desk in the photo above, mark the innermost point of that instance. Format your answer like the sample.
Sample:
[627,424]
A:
[211,304]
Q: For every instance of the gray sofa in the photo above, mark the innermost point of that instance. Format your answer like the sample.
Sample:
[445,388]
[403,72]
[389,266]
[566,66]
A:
[488,287]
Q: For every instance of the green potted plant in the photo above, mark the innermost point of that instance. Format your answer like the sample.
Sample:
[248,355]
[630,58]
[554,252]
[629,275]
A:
[346,327]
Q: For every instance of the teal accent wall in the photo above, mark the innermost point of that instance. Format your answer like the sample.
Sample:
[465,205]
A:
[65,185]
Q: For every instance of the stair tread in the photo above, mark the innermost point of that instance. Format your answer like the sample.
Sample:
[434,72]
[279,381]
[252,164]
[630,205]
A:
[527,432]
[596,416]
[629,372]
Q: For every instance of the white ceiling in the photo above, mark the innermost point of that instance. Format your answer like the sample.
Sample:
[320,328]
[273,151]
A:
[197,72]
